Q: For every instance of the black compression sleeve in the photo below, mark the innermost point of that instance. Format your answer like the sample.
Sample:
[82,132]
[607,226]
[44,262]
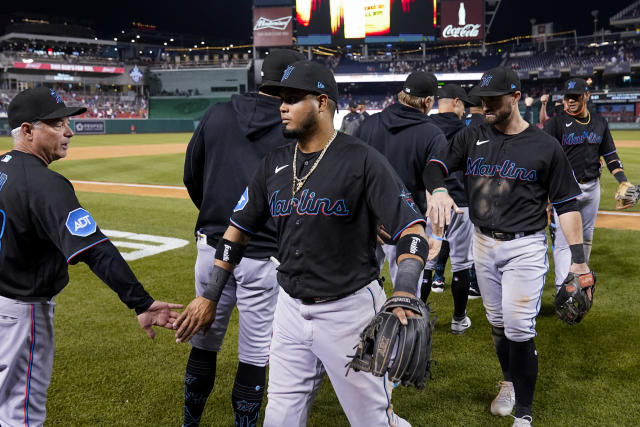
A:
[570,206]
[107,263]
[433,176]
[613,161]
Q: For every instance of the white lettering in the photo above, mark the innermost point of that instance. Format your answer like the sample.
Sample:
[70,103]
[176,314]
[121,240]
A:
[469,30]
[82,222]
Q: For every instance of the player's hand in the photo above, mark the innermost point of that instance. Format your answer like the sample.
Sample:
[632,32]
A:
[579,268]
[544,98]
[403,313]
[382,235]
[439,210]
[199,315]
[160,313]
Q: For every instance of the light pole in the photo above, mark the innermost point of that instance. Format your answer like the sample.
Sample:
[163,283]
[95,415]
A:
[595,22]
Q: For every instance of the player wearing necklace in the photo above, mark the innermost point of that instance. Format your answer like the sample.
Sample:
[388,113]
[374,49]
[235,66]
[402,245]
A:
[326,246]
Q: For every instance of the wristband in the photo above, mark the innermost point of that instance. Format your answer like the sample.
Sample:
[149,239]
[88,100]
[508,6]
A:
[219,278]
[620,177]
[439,190]
[436,237]
[577,254]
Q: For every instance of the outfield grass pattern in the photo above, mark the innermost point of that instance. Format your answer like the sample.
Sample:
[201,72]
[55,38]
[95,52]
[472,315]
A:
[107,372]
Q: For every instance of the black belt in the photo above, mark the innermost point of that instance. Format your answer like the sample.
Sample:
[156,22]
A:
[503,236]
[586,180]
[320,300]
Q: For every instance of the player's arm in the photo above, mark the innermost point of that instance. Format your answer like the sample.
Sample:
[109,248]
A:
[194,164]
[544,99]
[412,251]
[200,313]
[626,194]
[107,263]
[571,224]
[450,159]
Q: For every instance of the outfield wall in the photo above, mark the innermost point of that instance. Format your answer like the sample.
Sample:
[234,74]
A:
[172,107]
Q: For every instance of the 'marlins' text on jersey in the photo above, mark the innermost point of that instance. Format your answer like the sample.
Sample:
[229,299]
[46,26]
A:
[507,169]
[307,204]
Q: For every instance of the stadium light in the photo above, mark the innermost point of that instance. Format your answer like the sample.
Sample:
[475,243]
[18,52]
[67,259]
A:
[122,31]
[115,39]
[137,36]
[95,38]
[170,40]
[165,43]
[133,41]
[202,42]
[230,45]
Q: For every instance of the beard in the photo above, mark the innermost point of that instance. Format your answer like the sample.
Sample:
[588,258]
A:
[307,128]
[499,116]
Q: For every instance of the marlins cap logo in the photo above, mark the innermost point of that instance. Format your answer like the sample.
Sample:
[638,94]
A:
[287,72]
[320,85]
[486,79]
[55,95]
[571,84]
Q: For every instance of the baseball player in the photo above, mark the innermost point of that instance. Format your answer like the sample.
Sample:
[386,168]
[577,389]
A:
[403,134]
[325,193]
[585,137]
[222,156]
[43,228]
[352,120]
[451,99]
[510,170]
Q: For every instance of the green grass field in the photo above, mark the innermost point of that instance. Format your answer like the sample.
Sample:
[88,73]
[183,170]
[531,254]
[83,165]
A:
[108,373]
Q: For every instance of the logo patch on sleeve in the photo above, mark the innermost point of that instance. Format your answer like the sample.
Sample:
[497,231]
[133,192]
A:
[80,223]
[244,199]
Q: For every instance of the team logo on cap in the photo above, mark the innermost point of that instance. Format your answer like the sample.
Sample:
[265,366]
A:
[486,79]
[287,72]
[571,84]
[513,86]
[55,95]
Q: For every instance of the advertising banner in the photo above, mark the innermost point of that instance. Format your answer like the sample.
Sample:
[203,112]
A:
[88,126]
[272,26]
[462,20]
[549,73]
[619,68]
[584,70]
[69,67]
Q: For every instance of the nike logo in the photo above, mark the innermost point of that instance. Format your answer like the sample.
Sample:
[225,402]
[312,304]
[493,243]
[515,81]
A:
[278,169]
[568,124]
[478,142]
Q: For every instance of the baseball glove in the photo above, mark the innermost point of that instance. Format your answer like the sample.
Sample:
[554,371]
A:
[411,362]
[627,195]
[575,297]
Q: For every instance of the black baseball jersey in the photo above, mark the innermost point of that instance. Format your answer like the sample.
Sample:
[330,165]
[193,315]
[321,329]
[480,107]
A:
[42,227]
[327,231]
[222,156]
[508,178]
[584,141]
[474,119]
[407,139]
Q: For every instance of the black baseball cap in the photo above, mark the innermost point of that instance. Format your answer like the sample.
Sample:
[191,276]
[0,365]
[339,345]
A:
[353,103]
[276,62]
[36,104]
[308,76]
[473,100]
[452,91]
[575,87]
[421,84]
[498,81]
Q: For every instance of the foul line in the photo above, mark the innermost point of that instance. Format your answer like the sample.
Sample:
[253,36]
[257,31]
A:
[619,213]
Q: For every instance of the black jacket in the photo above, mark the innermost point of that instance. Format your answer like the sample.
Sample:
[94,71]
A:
[408,140]
[450,124]
[222,157]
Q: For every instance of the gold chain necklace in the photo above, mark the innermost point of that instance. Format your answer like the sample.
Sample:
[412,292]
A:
[298,183]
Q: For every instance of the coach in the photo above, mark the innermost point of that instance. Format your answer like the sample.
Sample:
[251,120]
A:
[43,228]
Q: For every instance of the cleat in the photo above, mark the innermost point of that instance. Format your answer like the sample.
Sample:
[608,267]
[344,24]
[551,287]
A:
[459,326]
[437,286]
[504,402]
[525,421]
[474,291]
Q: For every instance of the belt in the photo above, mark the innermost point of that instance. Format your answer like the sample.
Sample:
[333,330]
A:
[320,300]
[503,236]
[586,180]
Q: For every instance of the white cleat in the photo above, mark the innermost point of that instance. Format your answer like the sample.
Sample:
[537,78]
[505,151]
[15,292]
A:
[459,326]
[437,286]
[525,421]
[504,402]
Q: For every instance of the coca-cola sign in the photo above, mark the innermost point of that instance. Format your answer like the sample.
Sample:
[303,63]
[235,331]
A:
[462,20]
